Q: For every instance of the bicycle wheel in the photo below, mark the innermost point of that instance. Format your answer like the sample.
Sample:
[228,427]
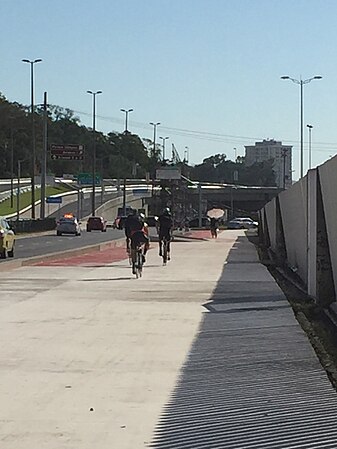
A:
[139,266]
[164,252]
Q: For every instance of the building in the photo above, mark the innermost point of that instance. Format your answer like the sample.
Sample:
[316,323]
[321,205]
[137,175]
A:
[281,155]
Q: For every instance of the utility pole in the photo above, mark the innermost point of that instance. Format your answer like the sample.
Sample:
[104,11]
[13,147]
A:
[44,159]
[284,155]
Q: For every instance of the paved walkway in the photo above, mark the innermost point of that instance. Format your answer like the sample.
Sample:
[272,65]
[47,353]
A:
[202,353]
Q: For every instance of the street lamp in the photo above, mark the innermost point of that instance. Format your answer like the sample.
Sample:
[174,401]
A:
[154,135]
[33,130]
[94,148]
[301,83]
[126,118]
[163,139]
[187,153]
[310,128]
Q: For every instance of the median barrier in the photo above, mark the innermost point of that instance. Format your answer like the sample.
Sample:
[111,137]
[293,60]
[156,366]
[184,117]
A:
[23,225]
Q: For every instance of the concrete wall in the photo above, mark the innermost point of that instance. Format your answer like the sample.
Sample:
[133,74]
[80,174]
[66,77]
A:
[308,216]
[271,222]
[328,182]
[109,209]
[293,206]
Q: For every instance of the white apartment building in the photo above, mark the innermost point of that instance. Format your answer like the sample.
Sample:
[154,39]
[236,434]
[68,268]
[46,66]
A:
[281,155]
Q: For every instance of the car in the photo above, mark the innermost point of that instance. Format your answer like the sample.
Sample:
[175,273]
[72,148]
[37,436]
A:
[152,221]
[68,224]
[119,222]
[7,239]
[194,223]
[242,223]
[96,224]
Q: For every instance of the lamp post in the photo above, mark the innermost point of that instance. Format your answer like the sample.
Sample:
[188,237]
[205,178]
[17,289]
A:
[94,148]
[126,118]
[35,61]
[284,155]
[301,83]
[187,154]
[234,154]
[163,139]
[154,135]
[310,128]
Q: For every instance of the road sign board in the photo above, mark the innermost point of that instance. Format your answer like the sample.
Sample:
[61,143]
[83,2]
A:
[54,200]
[72,152]
[143,193]
[168,173]
[86,178]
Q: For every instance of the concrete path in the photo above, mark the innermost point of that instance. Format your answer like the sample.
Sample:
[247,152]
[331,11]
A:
[202,353]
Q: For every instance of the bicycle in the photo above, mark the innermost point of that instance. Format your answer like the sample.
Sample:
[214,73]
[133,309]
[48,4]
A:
[128,252]
[137,261]
[165,250]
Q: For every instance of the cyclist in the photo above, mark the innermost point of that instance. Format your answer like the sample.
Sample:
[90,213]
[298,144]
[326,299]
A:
[136,235]
[165,227]
[131,224]
[214,227]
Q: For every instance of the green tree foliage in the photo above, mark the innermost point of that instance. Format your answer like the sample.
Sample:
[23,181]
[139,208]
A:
[117,155]
[217,169]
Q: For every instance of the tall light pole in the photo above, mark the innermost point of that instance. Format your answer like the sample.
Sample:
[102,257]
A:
[35,61]
[187,152]
[126,118]
[163,139]
[93,148]
[310,128]
[301,83]
[154,135]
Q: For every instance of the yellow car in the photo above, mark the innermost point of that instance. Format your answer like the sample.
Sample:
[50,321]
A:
[7,239]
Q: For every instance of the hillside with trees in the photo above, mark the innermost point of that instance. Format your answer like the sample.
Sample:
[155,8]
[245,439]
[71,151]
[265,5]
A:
[118,155]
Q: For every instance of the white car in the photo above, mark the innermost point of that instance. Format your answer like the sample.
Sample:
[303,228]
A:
[242,223]
[68,224]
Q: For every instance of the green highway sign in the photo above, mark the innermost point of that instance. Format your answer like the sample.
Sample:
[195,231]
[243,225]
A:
[86,179]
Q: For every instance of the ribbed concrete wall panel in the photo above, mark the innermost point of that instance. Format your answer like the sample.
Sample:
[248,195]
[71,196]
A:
[328,181]
[293,205]
[271,222]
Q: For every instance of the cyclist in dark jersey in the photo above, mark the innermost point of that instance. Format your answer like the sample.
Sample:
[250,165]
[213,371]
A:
[165,227]
[135,235]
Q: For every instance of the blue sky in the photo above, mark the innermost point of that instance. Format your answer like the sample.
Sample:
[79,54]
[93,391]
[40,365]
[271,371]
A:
[207,70]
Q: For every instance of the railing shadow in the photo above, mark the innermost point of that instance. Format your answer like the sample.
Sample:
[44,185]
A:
[240,386]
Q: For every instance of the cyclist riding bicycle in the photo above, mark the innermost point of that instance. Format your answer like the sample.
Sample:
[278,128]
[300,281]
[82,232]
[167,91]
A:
[136,235]
[165,227]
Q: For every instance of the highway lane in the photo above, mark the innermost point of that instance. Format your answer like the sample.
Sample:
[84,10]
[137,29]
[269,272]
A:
[31,246]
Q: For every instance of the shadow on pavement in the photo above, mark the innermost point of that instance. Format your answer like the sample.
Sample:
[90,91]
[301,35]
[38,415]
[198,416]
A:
[250,379]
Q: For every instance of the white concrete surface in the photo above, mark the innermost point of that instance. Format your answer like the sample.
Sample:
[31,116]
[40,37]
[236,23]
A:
[90,356]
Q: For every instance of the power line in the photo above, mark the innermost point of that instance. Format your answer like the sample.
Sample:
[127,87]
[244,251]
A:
[209,136]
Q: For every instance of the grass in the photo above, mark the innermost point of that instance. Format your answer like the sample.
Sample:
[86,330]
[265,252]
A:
[25,199]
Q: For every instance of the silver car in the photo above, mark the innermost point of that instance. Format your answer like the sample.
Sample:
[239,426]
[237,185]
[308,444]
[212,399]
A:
[68,225]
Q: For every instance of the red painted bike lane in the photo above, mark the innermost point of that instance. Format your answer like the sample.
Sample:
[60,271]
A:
[104,256]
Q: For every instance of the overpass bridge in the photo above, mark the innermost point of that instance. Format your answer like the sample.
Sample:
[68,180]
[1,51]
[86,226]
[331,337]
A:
[233,196]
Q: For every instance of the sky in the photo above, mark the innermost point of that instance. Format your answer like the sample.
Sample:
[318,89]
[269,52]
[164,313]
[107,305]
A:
[207,70]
